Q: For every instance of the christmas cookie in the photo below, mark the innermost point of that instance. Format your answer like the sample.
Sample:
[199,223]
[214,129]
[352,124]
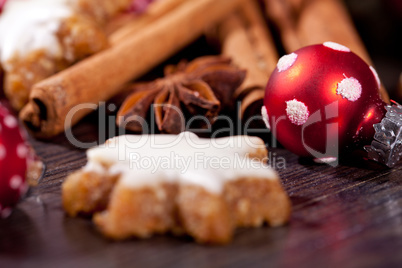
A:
[41,37]
[147,184]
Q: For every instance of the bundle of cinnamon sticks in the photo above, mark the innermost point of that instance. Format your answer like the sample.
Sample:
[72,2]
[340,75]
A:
[138,44]
[307,22]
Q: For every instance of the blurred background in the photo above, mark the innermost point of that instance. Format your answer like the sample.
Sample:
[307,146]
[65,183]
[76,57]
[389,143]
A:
[379,23]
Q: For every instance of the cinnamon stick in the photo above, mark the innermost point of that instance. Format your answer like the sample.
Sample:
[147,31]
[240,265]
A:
[308,22]
[282,13]
[245,38]
[101,76]
[260,36]
[156,10]
[119,21]
[329,20]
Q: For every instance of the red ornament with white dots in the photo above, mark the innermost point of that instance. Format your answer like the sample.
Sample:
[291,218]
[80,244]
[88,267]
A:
[14,159]
[322,100]
[2,2]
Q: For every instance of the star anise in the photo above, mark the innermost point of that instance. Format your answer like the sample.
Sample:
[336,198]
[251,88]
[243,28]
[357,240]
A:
[202,87]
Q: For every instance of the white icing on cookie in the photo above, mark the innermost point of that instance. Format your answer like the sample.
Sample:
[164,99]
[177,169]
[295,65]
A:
[27,26]
[287,61]
[336,46]
[144,160]
[350,88]
[297,112]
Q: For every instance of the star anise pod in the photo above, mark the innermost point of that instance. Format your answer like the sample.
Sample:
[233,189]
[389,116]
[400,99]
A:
[201,87]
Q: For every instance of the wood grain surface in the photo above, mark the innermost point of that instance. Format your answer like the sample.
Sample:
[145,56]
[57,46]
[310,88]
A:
[347,216]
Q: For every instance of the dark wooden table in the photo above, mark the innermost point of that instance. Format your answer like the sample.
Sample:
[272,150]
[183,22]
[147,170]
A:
[347,216]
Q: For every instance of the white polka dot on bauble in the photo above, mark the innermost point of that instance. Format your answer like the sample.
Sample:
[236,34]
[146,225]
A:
[377,78]
[10,121]
[336,46]
[287,61]
[297,112]
[15,182]
[6,212]
[3,152]
[265,117]
[350,88]
[22,150]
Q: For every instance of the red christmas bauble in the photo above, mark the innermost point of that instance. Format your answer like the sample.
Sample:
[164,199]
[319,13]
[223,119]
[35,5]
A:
[2,2]
[323,99]
[139,6]
[14,159]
